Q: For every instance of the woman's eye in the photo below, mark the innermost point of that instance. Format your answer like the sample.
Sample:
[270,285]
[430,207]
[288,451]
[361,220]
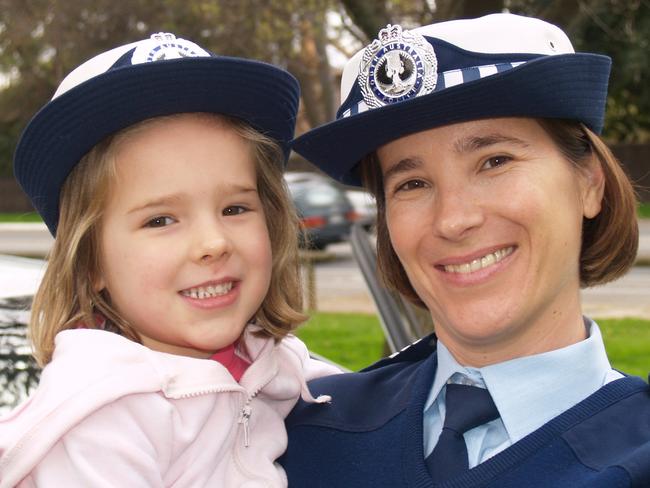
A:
[160,222]
[495,161]
[234,210]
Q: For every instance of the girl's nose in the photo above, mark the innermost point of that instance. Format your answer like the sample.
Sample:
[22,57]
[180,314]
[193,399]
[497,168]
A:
[211,245]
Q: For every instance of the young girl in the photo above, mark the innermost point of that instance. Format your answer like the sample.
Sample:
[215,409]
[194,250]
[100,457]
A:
[163,318]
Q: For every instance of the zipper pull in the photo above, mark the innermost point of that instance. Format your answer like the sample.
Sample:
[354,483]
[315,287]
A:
[244,416]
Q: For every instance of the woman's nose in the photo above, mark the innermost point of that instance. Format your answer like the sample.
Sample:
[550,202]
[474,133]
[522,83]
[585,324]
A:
[457,213]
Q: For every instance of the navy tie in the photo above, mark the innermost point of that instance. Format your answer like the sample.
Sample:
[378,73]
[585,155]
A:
[467,407]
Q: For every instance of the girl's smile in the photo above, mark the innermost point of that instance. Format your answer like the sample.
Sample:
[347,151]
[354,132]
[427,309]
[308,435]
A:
[213,295]
[209,290]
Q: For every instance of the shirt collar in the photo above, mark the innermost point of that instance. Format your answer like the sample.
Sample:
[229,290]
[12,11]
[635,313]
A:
[529,391]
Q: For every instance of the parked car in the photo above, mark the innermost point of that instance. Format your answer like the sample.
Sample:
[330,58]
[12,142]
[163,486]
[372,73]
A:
[325,212]
[365,206]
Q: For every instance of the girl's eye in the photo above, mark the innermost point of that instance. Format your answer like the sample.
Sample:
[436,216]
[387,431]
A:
[411,185]
[160,222]
[234,210]
[495,161]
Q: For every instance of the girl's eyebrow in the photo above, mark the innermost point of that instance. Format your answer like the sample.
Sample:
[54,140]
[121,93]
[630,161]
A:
[174,198]
[402,166]
[474,143]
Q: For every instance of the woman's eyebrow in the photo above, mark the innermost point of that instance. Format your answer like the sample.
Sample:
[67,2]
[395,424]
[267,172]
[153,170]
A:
[402,166]
[474,143]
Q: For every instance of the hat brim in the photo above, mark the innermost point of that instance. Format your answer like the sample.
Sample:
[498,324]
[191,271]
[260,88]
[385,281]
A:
[67,127]
[567,86]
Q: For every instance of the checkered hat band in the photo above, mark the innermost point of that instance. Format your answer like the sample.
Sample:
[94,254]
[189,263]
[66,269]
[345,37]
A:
[448,79]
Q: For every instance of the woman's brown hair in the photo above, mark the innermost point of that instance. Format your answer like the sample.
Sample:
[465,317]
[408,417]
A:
[609,240]
[67,297]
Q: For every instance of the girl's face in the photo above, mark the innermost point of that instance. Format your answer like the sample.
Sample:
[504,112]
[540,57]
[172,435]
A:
[185,251]
[485,216]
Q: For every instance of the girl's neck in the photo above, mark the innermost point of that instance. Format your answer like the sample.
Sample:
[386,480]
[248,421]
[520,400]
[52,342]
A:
[231,360]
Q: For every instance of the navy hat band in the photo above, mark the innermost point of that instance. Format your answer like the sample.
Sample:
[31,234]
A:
[445,80]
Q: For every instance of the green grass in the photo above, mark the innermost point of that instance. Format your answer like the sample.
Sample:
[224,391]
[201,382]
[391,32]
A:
[353,340]
[356,340]
[628,344]
[644,210]
[20,217]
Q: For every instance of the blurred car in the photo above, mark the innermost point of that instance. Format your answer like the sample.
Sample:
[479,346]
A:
[325,212]
[19,373]
[365,206]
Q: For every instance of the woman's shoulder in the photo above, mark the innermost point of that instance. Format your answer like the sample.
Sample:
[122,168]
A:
[371,397]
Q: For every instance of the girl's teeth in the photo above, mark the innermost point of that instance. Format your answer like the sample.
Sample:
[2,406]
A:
[211,291]
[480,263]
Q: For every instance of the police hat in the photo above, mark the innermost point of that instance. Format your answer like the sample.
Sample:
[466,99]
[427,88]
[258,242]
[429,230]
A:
[500,65]
[158,76]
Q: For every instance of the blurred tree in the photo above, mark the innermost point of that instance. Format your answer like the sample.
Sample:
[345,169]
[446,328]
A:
[41,41]
[621,29]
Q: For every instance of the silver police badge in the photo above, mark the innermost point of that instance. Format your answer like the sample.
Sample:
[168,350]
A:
[164,45]
[398,65]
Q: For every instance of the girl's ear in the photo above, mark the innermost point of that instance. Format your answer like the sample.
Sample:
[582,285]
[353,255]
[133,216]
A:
[98,282]
[592,187]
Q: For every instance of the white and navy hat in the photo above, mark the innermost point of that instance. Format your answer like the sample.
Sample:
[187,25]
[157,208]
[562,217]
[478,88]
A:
[499,65]
[158,76]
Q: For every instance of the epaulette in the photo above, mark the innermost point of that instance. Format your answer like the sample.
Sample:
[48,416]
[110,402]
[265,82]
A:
[416,351]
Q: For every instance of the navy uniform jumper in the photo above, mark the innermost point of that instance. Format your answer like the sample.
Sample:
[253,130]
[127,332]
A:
[371,435]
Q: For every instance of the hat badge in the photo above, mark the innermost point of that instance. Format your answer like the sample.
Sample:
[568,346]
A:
[398,65]
[163,46]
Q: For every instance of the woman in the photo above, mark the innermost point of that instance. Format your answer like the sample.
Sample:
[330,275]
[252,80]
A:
[497,201]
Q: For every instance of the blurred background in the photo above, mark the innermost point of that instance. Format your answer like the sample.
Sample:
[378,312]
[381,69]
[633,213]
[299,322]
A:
[41,41]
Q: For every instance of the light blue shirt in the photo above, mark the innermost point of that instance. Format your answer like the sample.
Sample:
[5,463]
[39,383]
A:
[527,391]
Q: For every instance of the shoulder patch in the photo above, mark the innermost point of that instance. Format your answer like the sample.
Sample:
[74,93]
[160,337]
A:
[417,351]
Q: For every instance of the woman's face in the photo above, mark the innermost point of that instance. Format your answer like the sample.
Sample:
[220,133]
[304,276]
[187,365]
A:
[486,218]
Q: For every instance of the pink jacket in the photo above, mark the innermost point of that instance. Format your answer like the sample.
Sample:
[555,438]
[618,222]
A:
[110,412]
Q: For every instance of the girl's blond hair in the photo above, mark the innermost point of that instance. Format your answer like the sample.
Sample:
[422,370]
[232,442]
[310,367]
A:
[67,298]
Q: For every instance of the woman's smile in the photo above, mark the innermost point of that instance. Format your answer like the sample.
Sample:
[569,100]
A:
[465,265]
[478,269]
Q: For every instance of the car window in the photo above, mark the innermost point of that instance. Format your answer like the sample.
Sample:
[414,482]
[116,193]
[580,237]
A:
[317,194]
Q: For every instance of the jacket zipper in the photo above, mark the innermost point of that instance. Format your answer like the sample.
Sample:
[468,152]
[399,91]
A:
[207,391]
[247,410]
[244,417]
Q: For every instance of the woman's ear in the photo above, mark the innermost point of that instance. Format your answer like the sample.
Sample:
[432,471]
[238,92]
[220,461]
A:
[592,187]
